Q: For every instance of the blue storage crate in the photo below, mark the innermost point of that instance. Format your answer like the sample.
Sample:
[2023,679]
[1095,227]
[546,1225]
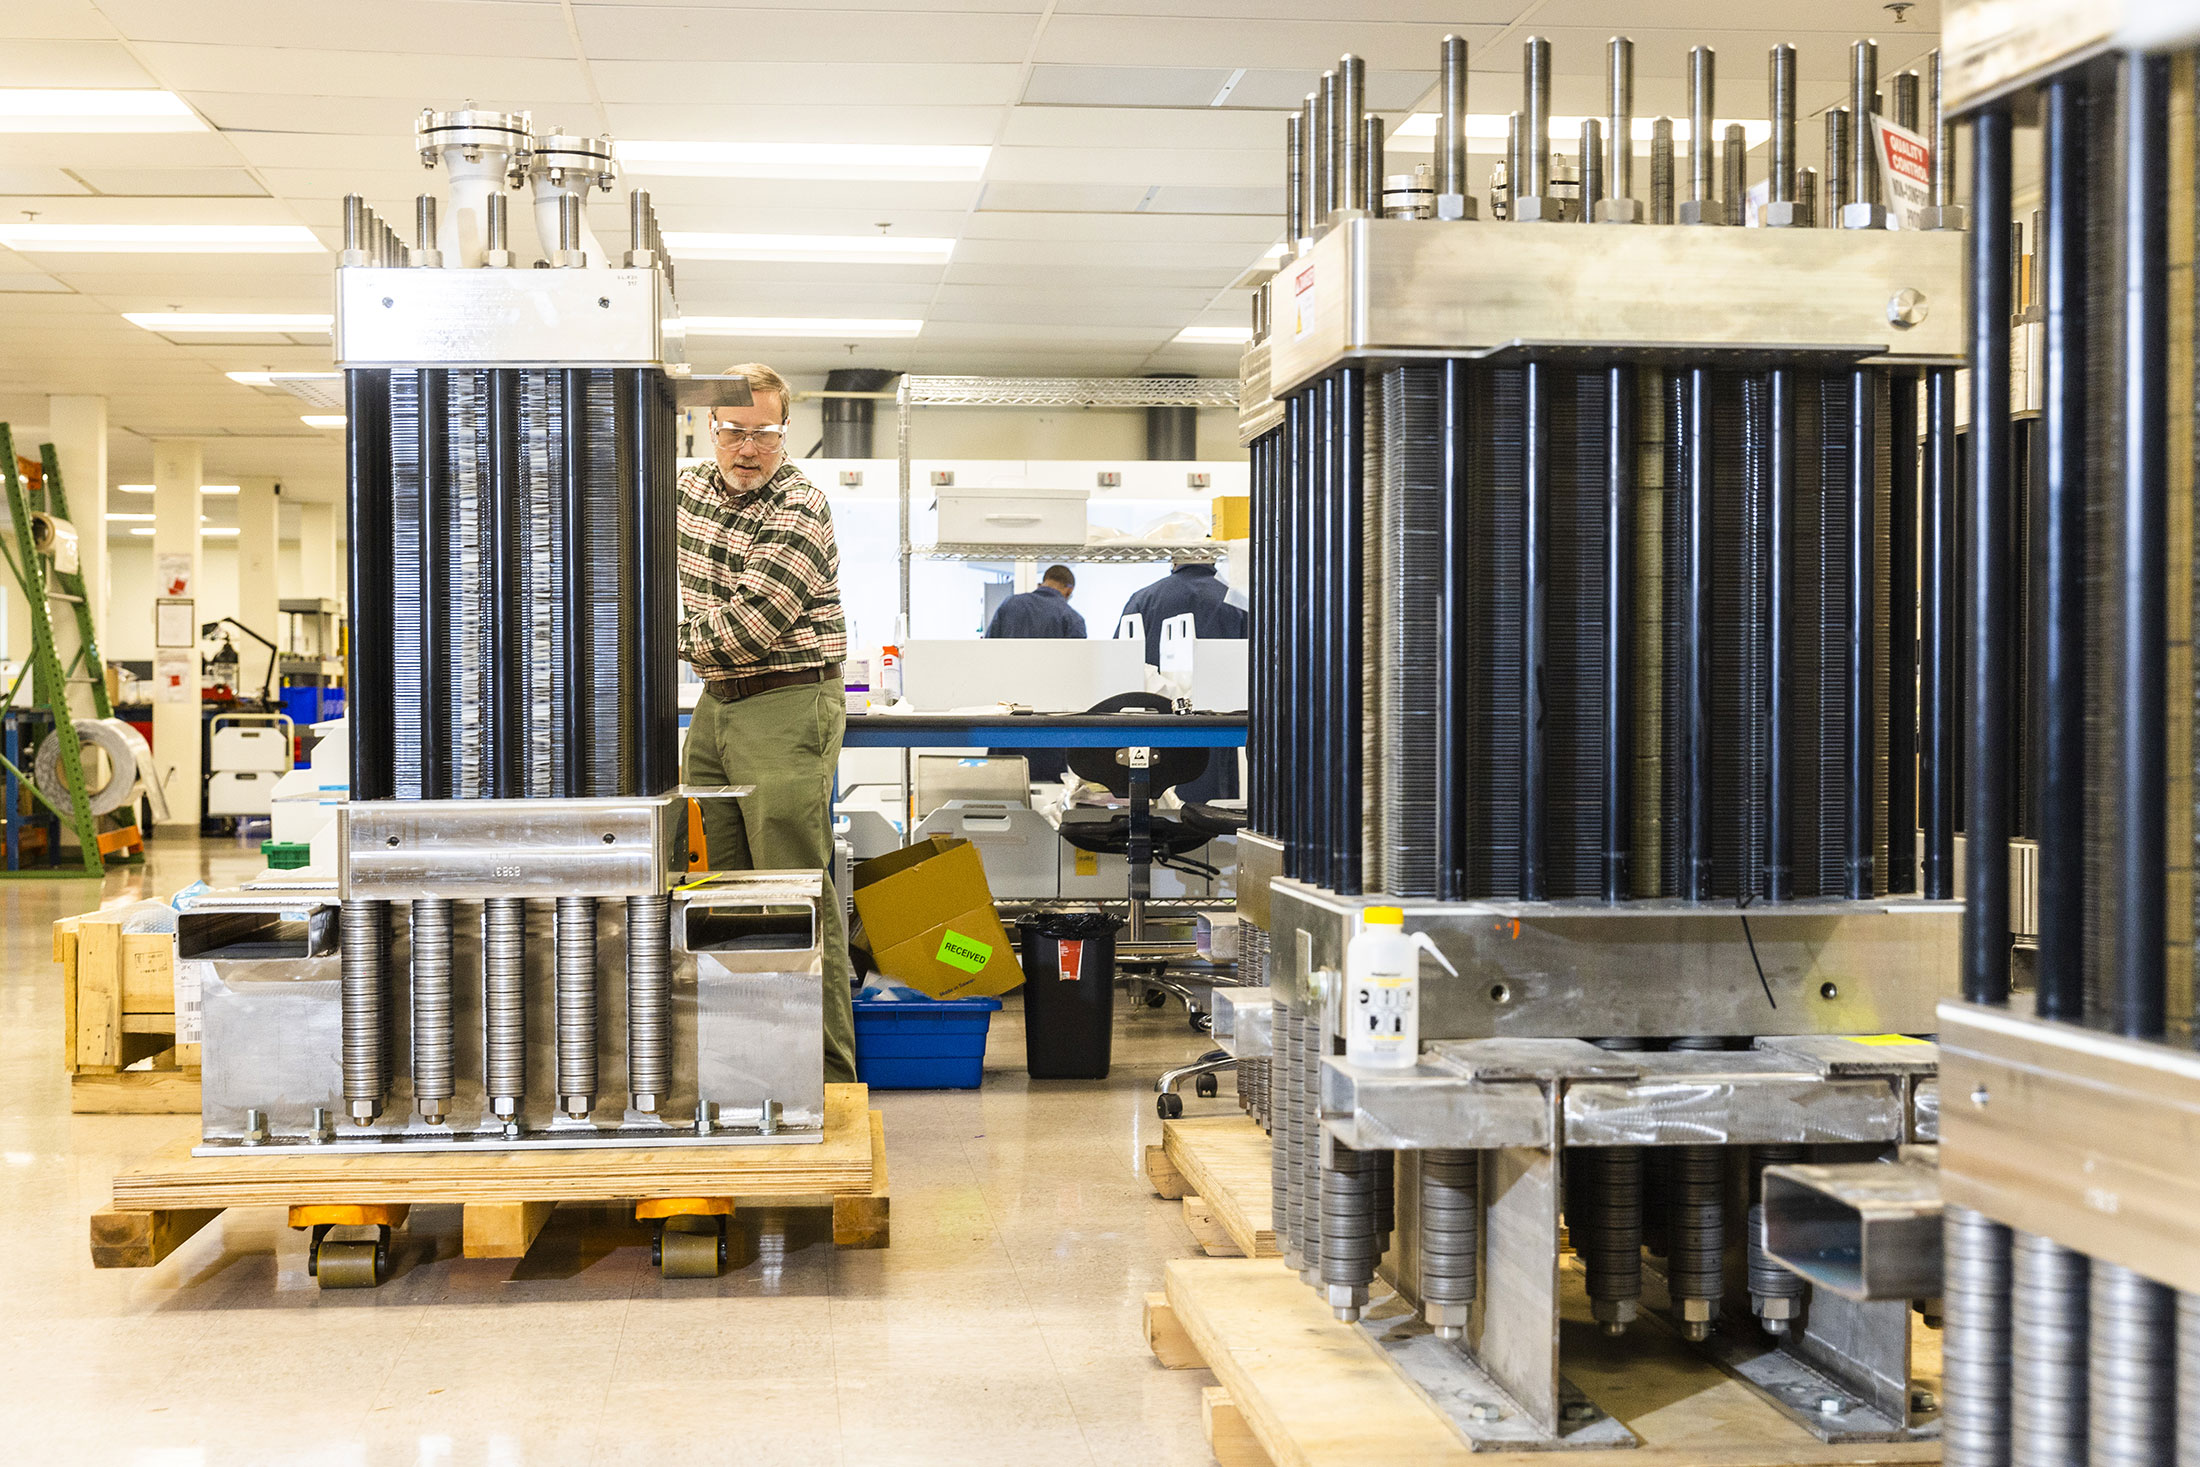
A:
[919,1043]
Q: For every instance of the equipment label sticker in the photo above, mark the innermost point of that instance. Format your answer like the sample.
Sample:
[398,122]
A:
[191,974]
[1302,295]
[1886,1039]
[966,953]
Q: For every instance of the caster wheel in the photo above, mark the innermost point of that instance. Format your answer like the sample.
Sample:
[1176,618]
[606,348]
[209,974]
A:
[1155,998]
[1203,1023]
[1206,1086]
[1170,1104]
[350,1265]
[683,1254]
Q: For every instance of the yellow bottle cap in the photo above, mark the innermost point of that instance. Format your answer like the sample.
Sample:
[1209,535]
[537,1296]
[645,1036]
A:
[1383,917]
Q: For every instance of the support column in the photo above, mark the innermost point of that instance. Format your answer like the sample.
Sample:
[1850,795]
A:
[78,426]
[259,507]
[177,476]
[320,572]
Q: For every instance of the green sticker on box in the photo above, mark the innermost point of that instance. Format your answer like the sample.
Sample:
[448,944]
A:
[966,953]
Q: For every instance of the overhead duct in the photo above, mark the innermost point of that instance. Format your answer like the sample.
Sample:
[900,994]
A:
[848,420]
[1172,433]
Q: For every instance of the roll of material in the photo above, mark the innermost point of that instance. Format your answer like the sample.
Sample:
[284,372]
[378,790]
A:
[129,758]
[55,538]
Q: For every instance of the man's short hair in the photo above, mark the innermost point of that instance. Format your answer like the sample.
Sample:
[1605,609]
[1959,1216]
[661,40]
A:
[1060,575]
[764,379]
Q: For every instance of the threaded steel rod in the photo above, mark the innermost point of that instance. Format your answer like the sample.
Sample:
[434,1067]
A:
[1702,84]
[1975,1323]
[1310,185]
[2131,1386]
[1863,101]
[1348,1229]
[1535,77]
[1661,171]
[433,1080]
[1697,1242]
[1327,147]
[1450,1237]
[1837,166]
[1451,141]
[1351,149]
[1294,201]
[363,991]
[575,942]
[1609,1239]
[648,1000]
[1619,120]
[1736,160]
[1783,123]
[504,1003]
[2047,1353]
[1591,188]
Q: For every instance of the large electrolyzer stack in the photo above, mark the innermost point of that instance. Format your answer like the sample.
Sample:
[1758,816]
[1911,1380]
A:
[2072,1274]
[1586,542]
[503,960]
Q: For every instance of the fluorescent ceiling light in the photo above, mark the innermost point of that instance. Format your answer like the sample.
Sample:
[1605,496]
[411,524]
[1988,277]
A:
[845,328]
[1490,127]
[148,534]
[203,489]
[48,109]
[1276,251]
[165,239]
[835,249]
[1215,335]
[142,519]
[902,162]
[322,420]
[230,323]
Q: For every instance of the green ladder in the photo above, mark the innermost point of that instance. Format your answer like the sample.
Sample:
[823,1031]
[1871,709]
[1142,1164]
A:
[50,679]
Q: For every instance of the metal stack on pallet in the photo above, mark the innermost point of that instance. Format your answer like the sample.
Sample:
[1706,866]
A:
[2072,1280]
[504,961]
[1578,555]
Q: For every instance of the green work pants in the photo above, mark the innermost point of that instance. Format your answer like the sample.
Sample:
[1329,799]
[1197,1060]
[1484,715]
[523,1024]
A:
[786,743]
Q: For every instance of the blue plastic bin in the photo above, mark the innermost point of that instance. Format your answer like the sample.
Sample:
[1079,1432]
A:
[919,1043]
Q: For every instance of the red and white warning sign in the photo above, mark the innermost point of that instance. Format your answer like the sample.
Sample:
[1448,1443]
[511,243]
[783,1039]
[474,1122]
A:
[1905,172]
[1069,958]
[1302,302]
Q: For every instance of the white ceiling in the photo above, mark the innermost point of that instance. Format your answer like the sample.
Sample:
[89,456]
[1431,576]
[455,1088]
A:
[1117,208]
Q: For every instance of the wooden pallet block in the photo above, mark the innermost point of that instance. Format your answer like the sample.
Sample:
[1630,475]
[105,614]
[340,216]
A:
[1229,1435]
[1314,1393]
[118,1007]
[507,1196]
[1225,1161]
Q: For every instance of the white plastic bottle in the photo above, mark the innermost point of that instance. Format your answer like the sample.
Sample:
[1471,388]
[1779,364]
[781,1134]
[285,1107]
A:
[1382,991]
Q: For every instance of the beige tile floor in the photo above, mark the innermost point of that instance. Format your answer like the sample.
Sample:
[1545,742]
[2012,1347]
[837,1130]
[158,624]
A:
[1002,1326]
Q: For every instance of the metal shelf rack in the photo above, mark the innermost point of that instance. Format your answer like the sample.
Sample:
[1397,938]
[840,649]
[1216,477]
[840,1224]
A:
[1046,392]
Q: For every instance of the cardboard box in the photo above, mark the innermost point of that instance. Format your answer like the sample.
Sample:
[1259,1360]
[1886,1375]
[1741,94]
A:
[927,917]
[1233,516]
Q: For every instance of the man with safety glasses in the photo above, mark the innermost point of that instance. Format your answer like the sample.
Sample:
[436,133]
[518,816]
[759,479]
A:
[762,625]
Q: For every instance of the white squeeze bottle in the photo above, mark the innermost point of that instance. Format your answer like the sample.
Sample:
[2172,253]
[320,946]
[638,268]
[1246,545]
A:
[1382,991]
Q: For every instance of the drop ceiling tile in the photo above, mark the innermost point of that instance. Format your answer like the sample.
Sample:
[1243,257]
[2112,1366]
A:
[1223,260]
[1853,17]
[722,122]
[490,81]
[1262,201]
[1107,229]
[1083,85]
[19,282]
[645,33]
[381,118]
[235,183]
[70,64]
[1139,273]
[1196,42]
[817,83]
[1148,166]
[1016,196]
[942,205]
[53,20]
[78,151]
[38,180]
[408,27]
[1139,127]
[1387,90]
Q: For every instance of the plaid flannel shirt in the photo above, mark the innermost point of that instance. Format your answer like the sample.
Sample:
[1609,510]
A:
[759,576]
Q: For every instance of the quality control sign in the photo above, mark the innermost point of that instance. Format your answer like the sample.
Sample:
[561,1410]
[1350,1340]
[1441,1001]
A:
[1905,172]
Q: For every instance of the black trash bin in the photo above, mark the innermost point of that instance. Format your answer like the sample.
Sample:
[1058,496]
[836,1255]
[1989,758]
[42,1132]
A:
[1069,994]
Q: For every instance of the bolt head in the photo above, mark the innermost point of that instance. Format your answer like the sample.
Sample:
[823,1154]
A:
[1456,206]
[1445,1316]
[1908,308]
[1702,211]
[1619,211]
[1487,1411]
[1696,1310]
[1783,214]
[1831,1405]
[1924,1401]
[1863,216]
[1538,208]
[1781,1308]
[1578,1411]
[496,259]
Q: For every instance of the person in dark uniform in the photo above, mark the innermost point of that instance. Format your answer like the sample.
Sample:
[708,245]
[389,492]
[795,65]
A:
[1042,612]
[1190,586]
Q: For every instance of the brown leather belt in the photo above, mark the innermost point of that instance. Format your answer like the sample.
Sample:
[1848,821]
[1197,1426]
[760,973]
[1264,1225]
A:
[734,689]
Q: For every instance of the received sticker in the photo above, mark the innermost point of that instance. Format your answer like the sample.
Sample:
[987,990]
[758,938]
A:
[966,953]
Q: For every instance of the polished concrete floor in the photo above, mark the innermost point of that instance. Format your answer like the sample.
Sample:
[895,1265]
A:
[1002,1326]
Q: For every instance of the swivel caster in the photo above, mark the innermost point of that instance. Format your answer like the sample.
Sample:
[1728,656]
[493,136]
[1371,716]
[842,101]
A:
[1170,1104]
[690,1247]
[341,1263]
[1207,1087]
[1202,1023]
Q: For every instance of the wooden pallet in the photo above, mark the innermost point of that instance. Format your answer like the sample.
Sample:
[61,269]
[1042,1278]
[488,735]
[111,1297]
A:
[507,1196]
[1298,1389]
[118,1007]
[1219,1166]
